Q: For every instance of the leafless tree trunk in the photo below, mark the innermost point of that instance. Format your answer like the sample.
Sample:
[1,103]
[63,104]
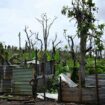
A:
[55,45]
[45,27]
[53,53]
[82,58]
[19,35]
[29,40]
[71,47]
[41,48]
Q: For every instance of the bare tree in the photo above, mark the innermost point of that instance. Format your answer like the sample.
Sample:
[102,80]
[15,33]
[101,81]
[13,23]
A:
[55,45]
[71,47]
[30,43]
[45,27]
[40,41]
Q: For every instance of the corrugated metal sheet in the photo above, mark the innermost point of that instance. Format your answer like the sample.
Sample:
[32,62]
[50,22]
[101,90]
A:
[1,72]
[21,78]
[1,76]
[6,86]
[5,78]
[15,79]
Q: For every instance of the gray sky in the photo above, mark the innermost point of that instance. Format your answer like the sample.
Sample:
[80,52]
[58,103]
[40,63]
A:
[15,14]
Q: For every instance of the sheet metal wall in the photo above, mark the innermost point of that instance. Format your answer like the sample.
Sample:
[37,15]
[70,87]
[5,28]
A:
[21,78]
[5,79]
[15,79]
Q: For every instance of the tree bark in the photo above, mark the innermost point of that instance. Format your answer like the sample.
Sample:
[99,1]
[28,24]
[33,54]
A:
[82,59]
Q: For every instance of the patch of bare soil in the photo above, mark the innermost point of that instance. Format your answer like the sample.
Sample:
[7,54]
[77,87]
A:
[6,102]
[17,100]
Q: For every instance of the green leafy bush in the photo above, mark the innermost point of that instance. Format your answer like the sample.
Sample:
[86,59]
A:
[100,66]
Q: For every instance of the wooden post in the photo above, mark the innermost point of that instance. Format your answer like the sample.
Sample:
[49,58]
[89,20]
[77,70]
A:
[35,81]
[54,66]
[43,73]
[44,81]
[80,87]
[60,91]
[96,76]
[36,58]
[43,76]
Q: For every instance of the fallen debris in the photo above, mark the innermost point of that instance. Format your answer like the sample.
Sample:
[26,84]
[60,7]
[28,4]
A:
[48,96]
[67,80]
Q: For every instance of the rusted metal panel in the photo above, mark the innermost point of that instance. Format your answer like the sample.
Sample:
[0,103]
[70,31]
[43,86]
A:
[6,86]
[21,78]
[1,72]
[1,77]
[5,78]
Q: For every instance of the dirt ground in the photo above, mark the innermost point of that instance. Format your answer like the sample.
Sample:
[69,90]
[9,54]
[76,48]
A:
[31,102]
[4,102]
[27,100]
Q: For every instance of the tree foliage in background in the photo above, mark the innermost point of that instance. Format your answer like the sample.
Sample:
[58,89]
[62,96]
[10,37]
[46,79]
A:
[98,39]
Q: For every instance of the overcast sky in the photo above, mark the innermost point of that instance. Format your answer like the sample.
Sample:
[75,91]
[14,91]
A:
[15,14]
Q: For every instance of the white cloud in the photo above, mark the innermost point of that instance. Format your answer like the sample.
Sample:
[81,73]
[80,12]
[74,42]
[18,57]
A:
[15,14]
